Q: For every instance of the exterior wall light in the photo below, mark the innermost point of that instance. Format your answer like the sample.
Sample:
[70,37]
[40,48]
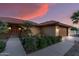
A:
[19,28]
[9,28]
[57,31]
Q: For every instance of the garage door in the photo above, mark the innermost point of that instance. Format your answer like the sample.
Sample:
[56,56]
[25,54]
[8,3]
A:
[63,31]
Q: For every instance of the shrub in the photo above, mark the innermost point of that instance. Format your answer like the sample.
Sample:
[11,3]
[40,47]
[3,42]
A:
[58,38]
[33,43]
[49,40]
[3,27]
[30,44]
[23,41]
[45,41]
[41,43]
[2,46]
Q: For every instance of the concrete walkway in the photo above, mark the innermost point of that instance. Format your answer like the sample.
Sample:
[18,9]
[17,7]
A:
[58,49]
[14,48]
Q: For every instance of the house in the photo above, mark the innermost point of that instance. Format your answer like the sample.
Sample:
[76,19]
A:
[52,28]
[48,28]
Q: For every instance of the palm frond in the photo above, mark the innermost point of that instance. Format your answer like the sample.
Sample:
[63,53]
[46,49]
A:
[75,17]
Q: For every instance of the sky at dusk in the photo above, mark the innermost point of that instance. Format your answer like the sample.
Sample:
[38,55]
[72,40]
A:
[40,12]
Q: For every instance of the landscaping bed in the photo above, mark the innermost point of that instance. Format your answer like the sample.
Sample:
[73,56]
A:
[2,46]
[3,40]
[35,43]
[4,35]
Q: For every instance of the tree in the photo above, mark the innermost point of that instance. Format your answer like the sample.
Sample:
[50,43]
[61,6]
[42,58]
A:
[27,27]
[3,27]
[74,29]
[75,17]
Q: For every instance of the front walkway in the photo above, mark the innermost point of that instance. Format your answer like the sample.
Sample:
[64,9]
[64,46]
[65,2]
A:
[14,48]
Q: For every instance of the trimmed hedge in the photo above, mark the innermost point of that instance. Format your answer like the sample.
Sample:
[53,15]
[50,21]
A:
[2,46]
[41,42]
[35,43]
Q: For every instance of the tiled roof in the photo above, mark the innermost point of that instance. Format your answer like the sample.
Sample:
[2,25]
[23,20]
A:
[18,21]
[11,20]
[47,23]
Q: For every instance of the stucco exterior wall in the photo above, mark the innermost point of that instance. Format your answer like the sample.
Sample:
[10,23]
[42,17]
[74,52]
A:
[51,31]
[35,30]
[48,30]
[69,32]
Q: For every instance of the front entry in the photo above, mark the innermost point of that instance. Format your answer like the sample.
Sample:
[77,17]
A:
[14,31]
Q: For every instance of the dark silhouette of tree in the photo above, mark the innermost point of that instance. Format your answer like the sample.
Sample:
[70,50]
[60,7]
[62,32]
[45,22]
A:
[75,17]
[27,27]
[3,27]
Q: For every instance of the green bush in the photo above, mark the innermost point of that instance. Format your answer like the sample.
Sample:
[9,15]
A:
[59,38]
[49,40]
[22,41]
[3,27]
[34,43]
[2,46]
[56,39]
[30,44]
[41,43]
[53,40]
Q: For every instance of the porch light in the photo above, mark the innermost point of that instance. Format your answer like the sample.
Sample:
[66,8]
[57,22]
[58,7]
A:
[19,28]
[57,30]
[9,28]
